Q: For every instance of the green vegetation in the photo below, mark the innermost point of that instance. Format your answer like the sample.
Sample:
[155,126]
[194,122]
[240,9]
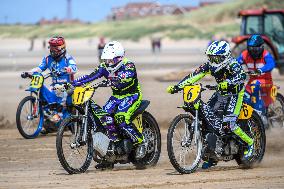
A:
[219,19]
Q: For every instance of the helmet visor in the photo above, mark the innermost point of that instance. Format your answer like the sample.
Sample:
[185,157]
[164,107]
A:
[109,62]
[217,59]
[56,51]
[255,51]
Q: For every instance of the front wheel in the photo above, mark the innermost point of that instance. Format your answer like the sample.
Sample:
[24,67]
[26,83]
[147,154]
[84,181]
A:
[29,117]
[74,155]
[255,129]
[184,145]
[152,137]
[276,112]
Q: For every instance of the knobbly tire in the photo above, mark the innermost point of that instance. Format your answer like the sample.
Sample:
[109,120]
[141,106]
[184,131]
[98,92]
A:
[258,134]
[173,159]
[280,121]
[86,158]
[150,129]
[22,131]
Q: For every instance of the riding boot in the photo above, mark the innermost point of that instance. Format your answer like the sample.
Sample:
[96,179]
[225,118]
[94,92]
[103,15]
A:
[247,153]
[104,165]
[136,138]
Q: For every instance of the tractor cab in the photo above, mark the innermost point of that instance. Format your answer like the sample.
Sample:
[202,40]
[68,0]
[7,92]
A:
[268,23]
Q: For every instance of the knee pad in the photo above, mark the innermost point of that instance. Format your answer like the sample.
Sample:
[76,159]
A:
[119,119]
[231,120]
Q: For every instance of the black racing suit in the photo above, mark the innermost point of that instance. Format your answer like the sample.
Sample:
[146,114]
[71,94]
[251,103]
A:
[231,98]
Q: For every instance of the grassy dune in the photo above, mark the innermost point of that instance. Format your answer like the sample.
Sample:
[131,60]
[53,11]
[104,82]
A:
[205,22]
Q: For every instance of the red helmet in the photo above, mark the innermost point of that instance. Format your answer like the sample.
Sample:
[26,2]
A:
[57,47]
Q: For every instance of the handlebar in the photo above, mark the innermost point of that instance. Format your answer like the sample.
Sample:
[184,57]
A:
[54,74]
[211,87]
[70,88]
[103,83]
[252,73]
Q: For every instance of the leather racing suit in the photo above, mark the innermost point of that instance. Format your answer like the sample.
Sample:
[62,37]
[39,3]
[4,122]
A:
[229,98]
[262,84]
[125,99]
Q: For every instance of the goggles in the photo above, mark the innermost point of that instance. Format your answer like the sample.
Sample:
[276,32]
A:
[217,59]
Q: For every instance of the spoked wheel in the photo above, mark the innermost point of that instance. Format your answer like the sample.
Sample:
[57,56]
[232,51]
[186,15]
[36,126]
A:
[256,131]
[184,145]
[74,155]
[29,117]
[152,137]
[276,112]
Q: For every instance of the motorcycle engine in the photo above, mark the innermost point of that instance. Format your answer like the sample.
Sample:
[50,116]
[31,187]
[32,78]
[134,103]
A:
[214,144]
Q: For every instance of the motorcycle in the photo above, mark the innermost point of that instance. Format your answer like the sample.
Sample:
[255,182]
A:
[88,139]
[272,115]
[193,136]
[34,112]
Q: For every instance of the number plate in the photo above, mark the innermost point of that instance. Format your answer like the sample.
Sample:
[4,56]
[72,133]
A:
[82,94]
[138,123]
[36,82]
[273,93]
[191,93]
[246,112]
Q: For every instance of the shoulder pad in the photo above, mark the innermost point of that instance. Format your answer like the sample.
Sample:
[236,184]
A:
[129,65]
[102,65]
[234,65]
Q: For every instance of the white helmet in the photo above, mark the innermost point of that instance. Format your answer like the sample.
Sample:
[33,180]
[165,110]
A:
[219,54]
[112,56]
[112,50]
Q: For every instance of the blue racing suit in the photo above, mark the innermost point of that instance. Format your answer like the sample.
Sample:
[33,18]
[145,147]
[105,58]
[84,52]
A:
[125,100]
[49,63]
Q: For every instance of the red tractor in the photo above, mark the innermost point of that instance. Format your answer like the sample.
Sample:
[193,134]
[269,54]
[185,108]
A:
[268,23]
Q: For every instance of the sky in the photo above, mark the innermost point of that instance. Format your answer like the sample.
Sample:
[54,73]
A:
[31,11]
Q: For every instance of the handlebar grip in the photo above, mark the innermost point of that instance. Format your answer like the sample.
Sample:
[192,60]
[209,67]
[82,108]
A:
[25,75]
[210,87]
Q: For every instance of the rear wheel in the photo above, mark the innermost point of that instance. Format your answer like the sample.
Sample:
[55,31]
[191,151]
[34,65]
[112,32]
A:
[184,145]
[152,137]
[29,117]
[255,129]
[74,155]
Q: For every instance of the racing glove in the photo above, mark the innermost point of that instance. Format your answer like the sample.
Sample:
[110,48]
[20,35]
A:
[25,75]
[223,86]
[258,71]
[173,89]
[68,70]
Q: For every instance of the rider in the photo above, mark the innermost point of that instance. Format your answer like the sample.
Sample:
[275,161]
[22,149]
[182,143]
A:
[230,78]
[260,61]
[126,93]
[58,61]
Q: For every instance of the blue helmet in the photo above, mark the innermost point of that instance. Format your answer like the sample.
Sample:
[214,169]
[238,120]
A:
[255,41]
[255,46]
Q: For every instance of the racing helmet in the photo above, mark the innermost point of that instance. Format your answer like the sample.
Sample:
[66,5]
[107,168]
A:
[57,47]
[219,54]
[255,46]
[112,55]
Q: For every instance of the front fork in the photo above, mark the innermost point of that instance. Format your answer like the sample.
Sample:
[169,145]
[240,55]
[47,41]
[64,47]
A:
[189,130]
[81,132]
[196,128]
[34,107]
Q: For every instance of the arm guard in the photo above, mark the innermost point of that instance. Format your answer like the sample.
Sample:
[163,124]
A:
[198,74]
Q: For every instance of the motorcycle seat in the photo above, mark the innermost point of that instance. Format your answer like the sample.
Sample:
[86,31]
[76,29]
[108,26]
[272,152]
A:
[143,105]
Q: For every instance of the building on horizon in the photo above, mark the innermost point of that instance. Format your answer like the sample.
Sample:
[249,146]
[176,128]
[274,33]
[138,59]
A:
[144,9]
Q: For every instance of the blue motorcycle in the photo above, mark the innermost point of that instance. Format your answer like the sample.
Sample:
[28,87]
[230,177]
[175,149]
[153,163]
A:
[34,112]
[273,115]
